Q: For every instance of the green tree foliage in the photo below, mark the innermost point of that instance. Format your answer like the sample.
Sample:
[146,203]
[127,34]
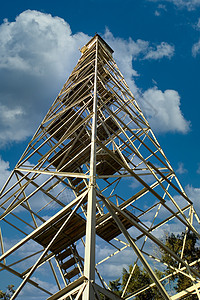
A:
[7,295]
[178,281]
[191,253]
[139,280]
[115,286]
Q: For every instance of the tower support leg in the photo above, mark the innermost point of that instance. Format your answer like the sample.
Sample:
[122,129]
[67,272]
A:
[89,261]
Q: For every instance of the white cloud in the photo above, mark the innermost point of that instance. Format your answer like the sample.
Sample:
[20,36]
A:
[181,169]
[112,268]
[160,9]
[141,49]
[196,46]
[197,25]
[196,49]
[194,194]
[125,51]
[35,41]
[162,50]
[162,109]
[157,13]
[163,112]
[112,271]
[47,285]
[4,171]
[10,124]
[32,293]
[162,6]
[188,4]
[37,54]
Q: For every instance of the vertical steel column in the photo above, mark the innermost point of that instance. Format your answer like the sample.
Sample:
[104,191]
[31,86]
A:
[89,262]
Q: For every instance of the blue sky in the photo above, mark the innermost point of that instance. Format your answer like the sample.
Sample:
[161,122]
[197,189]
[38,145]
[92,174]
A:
[174,23]
[157,48]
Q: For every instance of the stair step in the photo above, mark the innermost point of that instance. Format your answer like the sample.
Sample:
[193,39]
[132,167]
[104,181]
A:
[72,273]
[64,254]
[68,263]
[80,186]
[76,181]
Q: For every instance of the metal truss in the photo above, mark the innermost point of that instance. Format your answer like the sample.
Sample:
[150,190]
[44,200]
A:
[93,172]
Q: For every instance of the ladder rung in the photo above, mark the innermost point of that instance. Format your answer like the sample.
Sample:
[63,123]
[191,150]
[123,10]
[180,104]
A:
[64,254]
[72,273]
[68,263]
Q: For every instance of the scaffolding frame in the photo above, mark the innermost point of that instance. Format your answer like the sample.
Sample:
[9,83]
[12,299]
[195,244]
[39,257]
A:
[72,184]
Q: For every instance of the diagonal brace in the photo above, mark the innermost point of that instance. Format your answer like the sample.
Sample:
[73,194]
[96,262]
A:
[136,249]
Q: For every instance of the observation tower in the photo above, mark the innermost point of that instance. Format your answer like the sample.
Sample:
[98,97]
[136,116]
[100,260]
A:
[71,192]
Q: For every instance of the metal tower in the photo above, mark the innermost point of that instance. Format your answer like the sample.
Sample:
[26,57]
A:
[93,174]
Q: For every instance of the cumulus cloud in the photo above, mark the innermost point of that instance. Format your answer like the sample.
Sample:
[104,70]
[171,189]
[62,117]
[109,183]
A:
[113,269]
[125,52]
[194,194]
[34,63]
[137,49]
[162,50]
[37,54]
[32,293]
[175,225]
[4,171]
[163,111]
[36,42]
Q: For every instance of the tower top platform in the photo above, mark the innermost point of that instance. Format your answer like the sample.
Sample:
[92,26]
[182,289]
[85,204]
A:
[93,40]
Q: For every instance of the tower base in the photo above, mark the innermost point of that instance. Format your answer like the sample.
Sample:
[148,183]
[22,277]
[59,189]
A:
[75,290]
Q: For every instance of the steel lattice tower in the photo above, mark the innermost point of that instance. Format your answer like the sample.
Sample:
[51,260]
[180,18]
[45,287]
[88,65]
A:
[71,189]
